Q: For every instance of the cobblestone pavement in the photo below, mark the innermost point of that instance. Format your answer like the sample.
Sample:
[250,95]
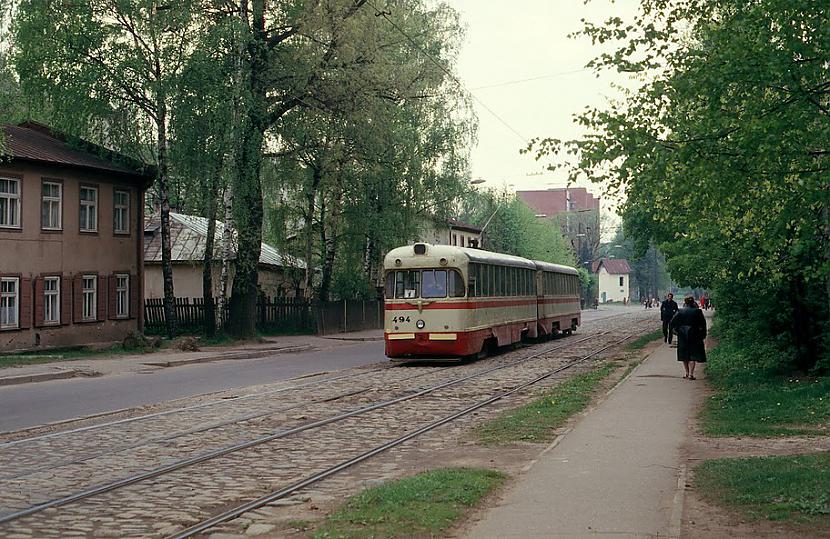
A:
[46,468]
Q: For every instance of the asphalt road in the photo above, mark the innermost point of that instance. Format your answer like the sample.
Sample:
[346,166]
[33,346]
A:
[29,405]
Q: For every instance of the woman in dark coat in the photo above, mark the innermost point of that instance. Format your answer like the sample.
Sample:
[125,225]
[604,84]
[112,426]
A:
[690,326]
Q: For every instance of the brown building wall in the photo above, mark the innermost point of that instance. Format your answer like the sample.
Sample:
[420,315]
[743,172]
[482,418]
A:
[31,251]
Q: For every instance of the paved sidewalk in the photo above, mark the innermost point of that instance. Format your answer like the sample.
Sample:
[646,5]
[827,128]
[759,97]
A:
[616,474]
[123,364]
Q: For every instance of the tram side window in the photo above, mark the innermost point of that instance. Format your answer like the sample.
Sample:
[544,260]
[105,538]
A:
[456,284]
[389,291]
[407,284]
[502,281]
[472,279]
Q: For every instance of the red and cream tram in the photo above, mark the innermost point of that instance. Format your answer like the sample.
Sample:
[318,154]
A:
[445,301]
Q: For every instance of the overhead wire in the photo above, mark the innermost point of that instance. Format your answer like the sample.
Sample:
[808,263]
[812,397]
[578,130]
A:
[385,14]
[531,79]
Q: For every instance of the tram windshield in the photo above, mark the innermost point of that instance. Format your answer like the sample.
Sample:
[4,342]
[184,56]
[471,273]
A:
[427,284]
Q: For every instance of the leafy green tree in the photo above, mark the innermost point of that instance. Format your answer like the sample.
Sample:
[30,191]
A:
[723,152]
[108,71]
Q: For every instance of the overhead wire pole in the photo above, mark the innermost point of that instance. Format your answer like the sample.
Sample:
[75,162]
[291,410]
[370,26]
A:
[385,14]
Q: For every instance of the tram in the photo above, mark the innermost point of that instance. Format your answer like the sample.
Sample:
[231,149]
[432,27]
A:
[443,301]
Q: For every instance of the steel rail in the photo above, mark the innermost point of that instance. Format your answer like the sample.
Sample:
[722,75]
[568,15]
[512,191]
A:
[10,443]
[286,491]
[114,485]
[209,426]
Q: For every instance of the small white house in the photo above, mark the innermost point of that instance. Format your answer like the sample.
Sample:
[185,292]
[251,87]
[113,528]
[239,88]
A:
[613,276]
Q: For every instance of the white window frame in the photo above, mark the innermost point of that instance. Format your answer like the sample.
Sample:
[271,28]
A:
[88,208]
[122,295]
[121,208]
[5,298]
[89,298]
[13,206]
[52,301]
[52,200]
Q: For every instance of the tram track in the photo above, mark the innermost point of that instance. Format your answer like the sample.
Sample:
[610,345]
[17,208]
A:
[203,459]
[114,485]
[23,472]
[340,466]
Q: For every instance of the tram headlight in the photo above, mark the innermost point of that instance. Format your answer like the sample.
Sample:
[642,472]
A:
[420,324]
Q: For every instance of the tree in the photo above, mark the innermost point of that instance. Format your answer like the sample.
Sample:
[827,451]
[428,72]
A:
[723,151]
[108,70]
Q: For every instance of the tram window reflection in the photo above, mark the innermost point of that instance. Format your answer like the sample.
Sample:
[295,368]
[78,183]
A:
[435,284]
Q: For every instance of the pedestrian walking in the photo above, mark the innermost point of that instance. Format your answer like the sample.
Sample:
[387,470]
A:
[667,311]
[690,326]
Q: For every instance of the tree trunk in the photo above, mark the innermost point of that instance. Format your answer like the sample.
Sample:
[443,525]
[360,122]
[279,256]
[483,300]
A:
[801,329]
[248,219]
[825,213]
[247,193]
[164,195]
[311,197]
[328,237]
[207,269]
[227,250]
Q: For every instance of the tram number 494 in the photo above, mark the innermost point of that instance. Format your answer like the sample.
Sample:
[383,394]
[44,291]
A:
[400,319]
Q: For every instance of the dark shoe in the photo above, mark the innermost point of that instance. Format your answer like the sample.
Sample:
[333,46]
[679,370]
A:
[686,375]
[692,377]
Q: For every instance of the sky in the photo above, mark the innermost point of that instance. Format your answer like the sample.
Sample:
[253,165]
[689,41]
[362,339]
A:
[528,39]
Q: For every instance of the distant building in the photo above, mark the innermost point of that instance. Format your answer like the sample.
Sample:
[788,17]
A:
[187,244]
[71,216]
[614,279]
[451,232]
[577,213]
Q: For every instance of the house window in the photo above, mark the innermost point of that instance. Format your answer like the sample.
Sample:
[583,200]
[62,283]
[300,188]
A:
[122,295]
[9,203]
[121,212]
[9,302]
[454,239]
[50,206]
[89,290]
[51,300]
[89,209]
[622,281]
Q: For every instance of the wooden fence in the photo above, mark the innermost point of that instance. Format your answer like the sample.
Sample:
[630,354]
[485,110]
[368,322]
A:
[275,314]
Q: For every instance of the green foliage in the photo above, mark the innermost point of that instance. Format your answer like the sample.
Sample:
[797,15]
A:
[785,488]
[753,398]
[723,150]
[424,505]
[513,228]
[537,421]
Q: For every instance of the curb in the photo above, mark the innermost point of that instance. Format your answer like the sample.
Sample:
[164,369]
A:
[354,339]
[43,377]
[230,357]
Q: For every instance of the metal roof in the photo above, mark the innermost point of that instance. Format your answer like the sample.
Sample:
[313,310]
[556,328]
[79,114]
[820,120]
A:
[31,141]
[614,266]
[188,234]
[472,255]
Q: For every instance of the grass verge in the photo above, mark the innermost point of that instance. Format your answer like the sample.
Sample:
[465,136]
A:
[420,506]
[66,354]
[535,422]
[786,488]
[640,342]
[751,400]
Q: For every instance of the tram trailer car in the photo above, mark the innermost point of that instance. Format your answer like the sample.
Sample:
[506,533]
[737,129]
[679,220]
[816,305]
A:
[450,302]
